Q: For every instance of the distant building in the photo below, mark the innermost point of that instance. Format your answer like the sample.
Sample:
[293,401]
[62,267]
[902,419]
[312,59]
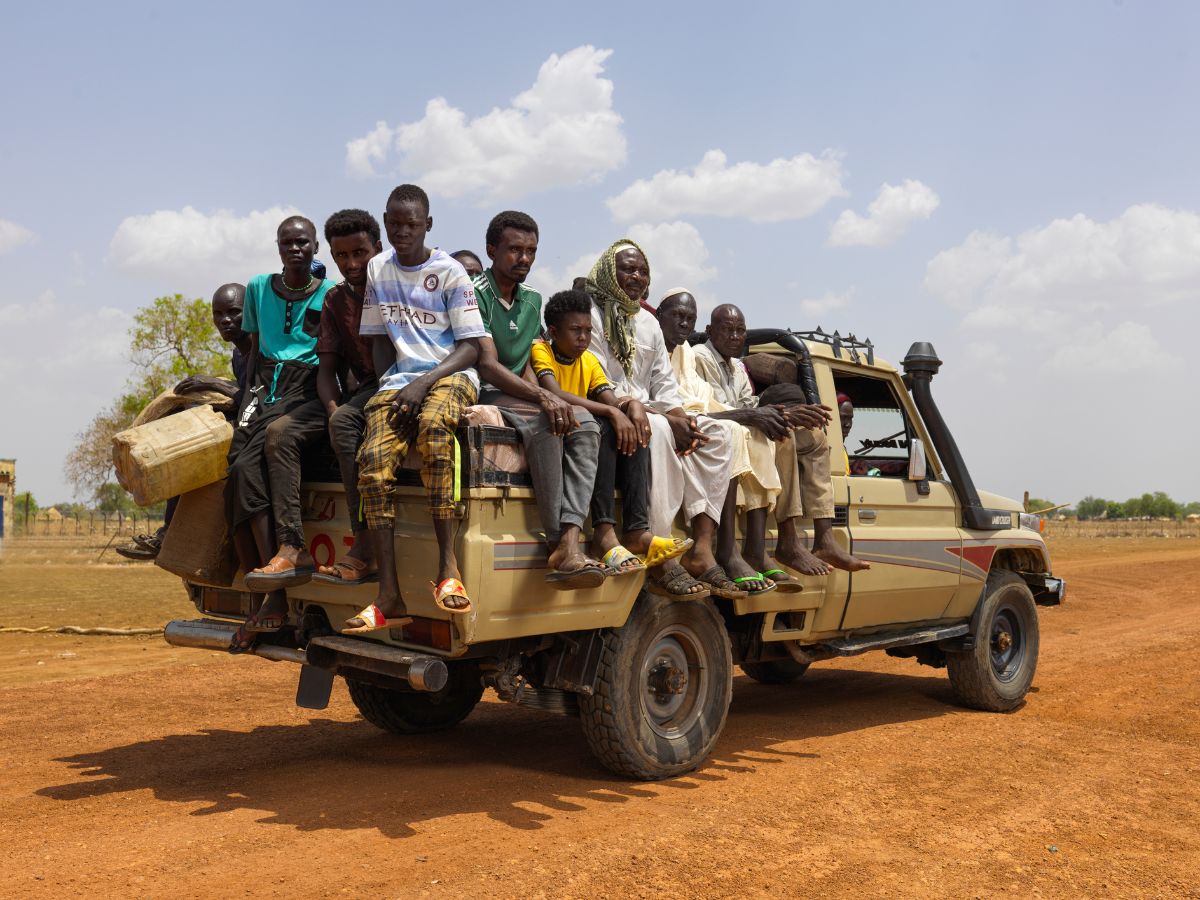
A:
[8,495]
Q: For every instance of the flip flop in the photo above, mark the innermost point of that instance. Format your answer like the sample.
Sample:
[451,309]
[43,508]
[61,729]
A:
[375,621]
[785,582]
[674,584]
[591,574]
[451,587]
[616,560]
[242,636]
[326,574]
[268,624]
[663,549]
[746,579]
[278,573]
[721,584]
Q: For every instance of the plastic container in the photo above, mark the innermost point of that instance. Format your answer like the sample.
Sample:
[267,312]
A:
[172,455]
[197,545]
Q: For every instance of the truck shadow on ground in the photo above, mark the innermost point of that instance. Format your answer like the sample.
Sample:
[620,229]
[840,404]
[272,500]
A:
[520,767]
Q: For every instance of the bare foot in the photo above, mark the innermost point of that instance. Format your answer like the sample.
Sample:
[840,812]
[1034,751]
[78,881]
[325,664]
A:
[828,551]
[802,561]
[737,567]
[567,558]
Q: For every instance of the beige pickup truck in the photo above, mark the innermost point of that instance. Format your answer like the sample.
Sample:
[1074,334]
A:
[955,575]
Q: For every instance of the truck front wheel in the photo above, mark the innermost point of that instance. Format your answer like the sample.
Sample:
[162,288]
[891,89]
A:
[996,674]
[419,712]
[662,691]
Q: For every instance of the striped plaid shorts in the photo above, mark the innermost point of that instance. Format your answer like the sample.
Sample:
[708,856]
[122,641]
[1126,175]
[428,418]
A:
[383,449]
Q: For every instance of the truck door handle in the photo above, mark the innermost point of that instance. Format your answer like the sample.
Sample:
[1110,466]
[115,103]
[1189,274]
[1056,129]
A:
[866,515]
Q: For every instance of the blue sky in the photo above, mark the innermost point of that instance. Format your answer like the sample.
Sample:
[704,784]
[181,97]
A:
[1041,224]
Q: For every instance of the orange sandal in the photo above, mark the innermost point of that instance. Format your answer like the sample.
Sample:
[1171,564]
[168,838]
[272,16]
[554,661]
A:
[374,620]
[451,587]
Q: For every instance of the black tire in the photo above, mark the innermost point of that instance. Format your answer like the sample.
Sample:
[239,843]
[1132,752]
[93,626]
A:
[997,673]
[775,671]
[419,712]
[682,649]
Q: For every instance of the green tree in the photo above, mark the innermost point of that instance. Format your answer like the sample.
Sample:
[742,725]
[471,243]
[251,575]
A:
[170,339]
[112,498]
[24,508]
[1191,509]
[1091,508]
[1115,510]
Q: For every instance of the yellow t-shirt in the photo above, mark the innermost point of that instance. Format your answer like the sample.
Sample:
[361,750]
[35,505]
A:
[584,377]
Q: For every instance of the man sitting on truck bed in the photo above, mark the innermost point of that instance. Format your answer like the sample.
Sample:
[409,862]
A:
[561,441]
[719,362]
[279,413]
[421,311]
[769,476]
[346,375]
[691,457]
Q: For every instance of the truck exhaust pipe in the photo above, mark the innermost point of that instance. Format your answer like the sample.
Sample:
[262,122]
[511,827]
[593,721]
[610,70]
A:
[415,671]
[921,363]
[206,635]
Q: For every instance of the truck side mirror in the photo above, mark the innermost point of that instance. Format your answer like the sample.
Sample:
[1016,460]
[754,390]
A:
[916,460]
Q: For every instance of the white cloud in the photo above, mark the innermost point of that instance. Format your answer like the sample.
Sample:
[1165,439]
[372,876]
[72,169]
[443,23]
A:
[86,371]
[1096,350]
[187,250]
[828,302]
[779,190]
[13,236]
[677,254]
[560,132]
[888,217]
[1148,255]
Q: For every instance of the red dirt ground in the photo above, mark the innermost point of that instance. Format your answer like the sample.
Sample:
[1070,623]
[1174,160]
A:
[197,777]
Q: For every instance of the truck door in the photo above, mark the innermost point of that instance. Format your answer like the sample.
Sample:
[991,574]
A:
[906,530]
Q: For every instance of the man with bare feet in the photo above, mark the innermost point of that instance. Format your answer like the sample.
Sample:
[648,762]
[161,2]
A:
[279,414]
[789,419]
[421,313]
[346,376]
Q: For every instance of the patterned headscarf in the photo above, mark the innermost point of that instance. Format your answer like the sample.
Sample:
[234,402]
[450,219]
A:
[616,308]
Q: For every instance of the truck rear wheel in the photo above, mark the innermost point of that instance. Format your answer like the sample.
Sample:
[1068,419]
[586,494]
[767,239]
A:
[419,712]
[775,671]
[996,674]
[662,691]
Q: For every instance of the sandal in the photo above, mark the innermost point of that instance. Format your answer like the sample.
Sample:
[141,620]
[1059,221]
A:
[676,584]
[785,582]
[451,587]
[266,623]
[136,553]
[721,584]
[278,573]
[747,579]
[663,549]
[591,574]
[373,619]
[618,558]
[243,640]
[348,571]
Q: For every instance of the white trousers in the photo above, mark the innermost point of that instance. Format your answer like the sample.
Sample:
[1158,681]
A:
[696,483]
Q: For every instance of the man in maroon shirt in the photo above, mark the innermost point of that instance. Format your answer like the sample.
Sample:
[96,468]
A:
[346,374]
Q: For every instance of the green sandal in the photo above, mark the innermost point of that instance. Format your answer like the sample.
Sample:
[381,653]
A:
[785,582]
[747,579]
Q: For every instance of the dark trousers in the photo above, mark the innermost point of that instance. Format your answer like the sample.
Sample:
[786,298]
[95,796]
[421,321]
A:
[264,456]
[346,427]
[632,473]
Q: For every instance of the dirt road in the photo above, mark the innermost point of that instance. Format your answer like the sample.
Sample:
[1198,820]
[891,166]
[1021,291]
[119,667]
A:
[197,777]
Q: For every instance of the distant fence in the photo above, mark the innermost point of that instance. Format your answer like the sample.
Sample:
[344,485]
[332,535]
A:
[1123,528]
[50,524]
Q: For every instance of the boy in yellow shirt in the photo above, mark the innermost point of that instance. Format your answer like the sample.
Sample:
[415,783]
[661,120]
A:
[567,367]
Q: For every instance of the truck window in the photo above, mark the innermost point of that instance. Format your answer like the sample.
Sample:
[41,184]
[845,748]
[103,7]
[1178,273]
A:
[877,444]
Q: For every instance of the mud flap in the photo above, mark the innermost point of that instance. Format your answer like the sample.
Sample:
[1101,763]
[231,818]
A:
[314,687]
